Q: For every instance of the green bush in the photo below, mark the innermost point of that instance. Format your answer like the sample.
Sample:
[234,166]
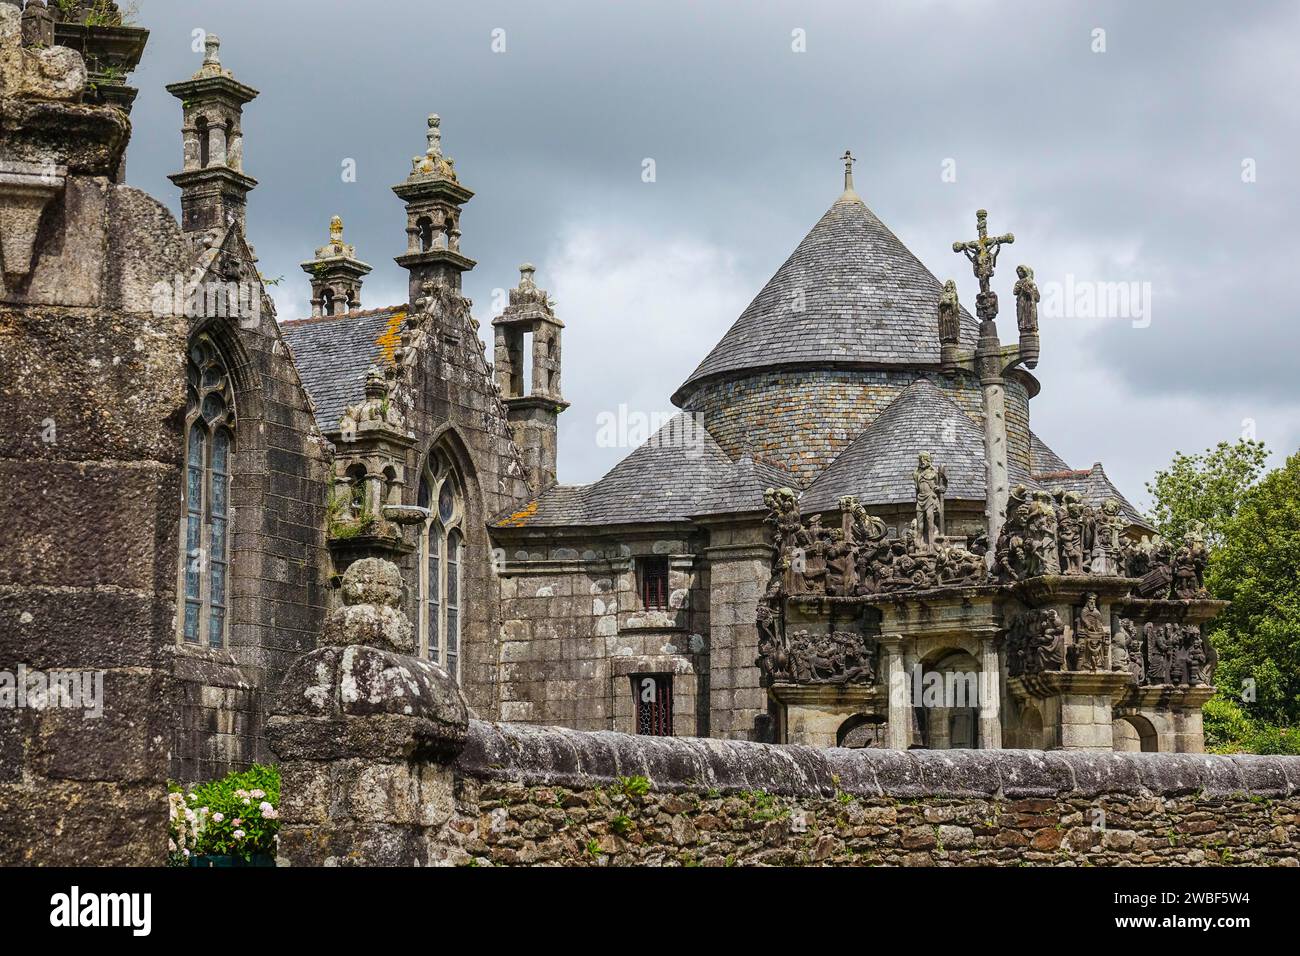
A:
[1230,730]
[238,815]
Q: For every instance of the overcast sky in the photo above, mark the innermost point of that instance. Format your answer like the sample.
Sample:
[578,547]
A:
[1127,165]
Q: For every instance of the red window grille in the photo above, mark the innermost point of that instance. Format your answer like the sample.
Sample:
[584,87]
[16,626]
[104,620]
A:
[654,583]
[653,694]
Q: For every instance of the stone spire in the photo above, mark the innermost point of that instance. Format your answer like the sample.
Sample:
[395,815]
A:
[336,275]
[433,196]
[533,408]
[214,189]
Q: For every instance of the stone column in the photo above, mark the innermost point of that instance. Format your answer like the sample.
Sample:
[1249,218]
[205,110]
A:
[995,453]
[898,682]
[217,145]
[991,695]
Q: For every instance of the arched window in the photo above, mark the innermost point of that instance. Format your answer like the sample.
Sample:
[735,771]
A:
[205,143]
[441,561]
[205,534]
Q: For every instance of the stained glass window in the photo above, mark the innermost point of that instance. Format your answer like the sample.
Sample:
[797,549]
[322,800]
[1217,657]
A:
[205,532]
[442,552]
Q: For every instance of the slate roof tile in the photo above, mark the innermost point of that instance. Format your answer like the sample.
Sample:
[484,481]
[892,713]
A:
[865,298]
[332,354]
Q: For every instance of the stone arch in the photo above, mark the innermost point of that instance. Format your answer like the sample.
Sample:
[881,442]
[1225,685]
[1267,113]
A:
[862,731]
[1134,733]
[951,723]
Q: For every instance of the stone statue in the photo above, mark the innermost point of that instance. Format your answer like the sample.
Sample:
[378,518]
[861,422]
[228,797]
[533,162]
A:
[1040,536]
[1047,651]
[949,314]
[1132,642]
[1027,297]
[1159,654]
[931,486]
[1069,532]
[1090,637]
[1106,543]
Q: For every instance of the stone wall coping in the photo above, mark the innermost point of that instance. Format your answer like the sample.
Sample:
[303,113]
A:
[552,756]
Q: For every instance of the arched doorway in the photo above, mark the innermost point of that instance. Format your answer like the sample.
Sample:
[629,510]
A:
[1135,734]
[861,731]
[947,715]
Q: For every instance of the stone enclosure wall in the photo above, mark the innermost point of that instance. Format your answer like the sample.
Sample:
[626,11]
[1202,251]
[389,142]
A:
[383,766]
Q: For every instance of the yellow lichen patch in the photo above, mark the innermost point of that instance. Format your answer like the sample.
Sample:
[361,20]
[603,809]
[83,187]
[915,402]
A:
[519,518]
[392,336]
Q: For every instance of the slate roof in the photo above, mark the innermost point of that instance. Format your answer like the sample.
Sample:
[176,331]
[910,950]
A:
[663,480]
[866,300]
[742,489]
[332,354]
[877,466]
[1042,458]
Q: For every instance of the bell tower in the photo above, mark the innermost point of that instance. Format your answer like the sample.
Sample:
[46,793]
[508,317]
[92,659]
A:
[214,189]
[529,328]
[336,275]
[433,197]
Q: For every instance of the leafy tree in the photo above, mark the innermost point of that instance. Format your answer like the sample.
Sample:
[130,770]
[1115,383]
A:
[1256,566]
[1208,488]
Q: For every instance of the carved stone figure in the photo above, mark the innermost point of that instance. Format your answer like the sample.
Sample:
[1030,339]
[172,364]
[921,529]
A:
[1069,532]
[841,657]
[949,314]
[1047,651]
[931,486]
[1188,570]
[1128,636]
[1027,297]
[1035,642]
[1090,637]
[1106,540]
[1159,654]
[1040,536]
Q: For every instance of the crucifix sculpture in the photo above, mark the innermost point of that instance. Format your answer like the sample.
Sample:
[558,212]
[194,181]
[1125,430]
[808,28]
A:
[989,361]
[848,170]
[983,255]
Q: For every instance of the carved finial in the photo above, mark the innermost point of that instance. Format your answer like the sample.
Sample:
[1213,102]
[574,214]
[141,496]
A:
[376,384]
[526,273]
[435,136]
[212,50]
[336,231]
[848,170]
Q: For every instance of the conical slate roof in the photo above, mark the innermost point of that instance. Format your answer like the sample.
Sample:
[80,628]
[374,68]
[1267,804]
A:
[850,294]
[877,466]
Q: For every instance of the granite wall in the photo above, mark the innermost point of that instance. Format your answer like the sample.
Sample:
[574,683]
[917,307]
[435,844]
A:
[378,772]
[92,394]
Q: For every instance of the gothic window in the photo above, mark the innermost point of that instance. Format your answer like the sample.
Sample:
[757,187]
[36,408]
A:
[653,694]
[205,535]
[654,583]
[442,558]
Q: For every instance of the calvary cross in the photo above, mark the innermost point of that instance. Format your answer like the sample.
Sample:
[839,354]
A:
[983,252]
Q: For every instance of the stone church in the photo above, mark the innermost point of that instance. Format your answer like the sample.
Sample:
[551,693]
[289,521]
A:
[851,513]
